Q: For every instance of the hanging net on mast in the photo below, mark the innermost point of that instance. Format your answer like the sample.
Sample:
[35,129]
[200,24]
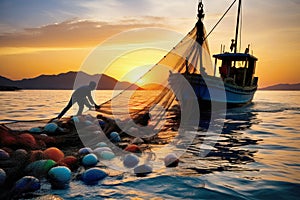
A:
[190,55]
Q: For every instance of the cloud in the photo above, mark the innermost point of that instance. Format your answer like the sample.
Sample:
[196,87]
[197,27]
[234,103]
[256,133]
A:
[75,32]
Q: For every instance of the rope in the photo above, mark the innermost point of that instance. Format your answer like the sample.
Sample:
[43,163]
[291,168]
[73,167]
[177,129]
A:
[241,24]
[23,121]
[219,20]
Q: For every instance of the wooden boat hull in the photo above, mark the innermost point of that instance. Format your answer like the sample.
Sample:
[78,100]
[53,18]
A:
[212,89]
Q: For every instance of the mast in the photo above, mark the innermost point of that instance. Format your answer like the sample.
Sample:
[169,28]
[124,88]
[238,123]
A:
[200,34]
[237,26]
[199,24]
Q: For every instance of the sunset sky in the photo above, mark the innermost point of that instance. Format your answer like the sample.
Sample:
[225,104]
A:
[54,36]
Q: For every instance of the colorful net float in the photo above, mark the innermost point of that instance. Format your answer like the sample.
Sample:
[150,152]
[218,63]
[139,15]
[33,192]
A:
[2,177]
[107,155]
[101,123]
[21,151]
[171,160]
[51,128]
[137,141]
[39,168]
[114,137]
[89,160]
[75,119]
[93,175]
[69,161]
[142,170]
[20,154]
[59,177]
[54,154]
[4,155]
[133,148]
[131,161]
[35,130]
[28,140]
[26,184]
[8,150]
[7,138]
[37,155]
[101,144]
[85,151]
[97,133]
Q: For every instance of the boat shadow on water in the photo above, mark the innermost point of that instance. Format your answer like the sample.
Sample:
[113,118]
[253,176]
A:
[225,151]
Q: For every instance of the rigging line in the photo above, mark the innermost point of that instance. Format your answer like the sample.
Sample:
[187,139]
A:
[241,24]
[219,20]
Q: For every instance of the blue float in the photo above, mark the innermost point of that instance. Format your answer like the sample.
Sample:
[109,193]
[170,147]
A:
[26,184]
[90,160]
[142,170]
[130,161]
[2,177]
[35,130]
[51,127]
[93,175]
[4,155]
[102,123]
[114,137]
[101,144]
[85,150]
[59,177]
[107,155]
[75,119]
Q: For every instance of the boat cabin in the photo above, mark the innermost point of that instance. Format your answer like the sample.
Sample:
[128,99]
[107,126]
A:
[236,68]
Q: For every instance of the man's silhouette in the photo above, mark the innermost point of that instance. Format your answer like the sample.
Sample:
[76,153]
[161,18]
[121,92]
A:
[82,96]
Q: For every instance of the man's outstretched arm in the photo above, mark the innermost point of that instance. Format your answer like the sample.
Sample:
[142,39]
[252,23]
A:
[91,100]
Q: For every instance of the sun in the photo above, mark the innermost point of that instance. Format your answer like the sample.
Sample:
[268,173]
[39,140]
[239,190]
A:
[133,66]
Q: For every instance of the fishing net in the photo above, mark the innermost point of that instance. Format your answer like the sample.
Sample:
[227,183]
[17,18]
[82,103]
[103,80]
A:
[187,57]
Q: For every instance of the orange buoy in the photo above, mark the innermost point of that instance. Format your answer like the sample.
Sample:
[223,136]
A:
[133,148]
[54,153]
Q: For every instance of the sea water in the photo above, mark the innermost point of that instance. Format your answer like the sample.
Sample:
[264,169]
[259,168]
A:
[257,154]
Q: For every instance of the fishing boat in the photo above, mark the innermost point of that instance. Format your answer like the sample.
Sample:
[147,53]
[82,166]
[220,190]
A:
[236,77]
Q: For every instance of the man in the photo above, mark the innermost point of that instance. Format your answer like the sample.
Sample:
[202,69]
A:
[82,96]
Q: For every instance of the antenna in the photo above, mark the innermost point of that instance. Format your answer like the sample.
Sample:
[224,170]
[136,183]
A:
[237,25]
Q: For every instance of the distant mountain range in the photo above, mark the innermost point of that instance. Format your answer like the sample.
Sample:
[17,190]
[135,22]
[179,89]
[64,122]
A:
[283,87]
[65,81]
